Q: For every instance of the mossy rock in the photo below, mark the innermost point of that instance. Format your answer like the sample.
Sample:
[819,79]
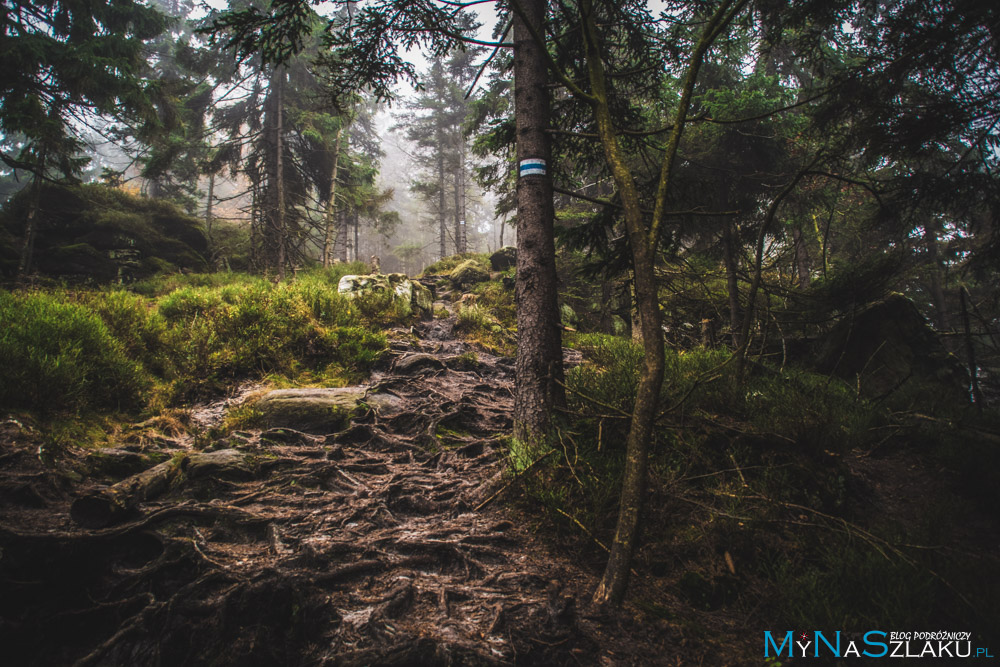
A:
[421,300]
[417,362]
[93,232]
[469,273]
[116,462]
[320,411]
[416,296]
[504,258]
[889,345]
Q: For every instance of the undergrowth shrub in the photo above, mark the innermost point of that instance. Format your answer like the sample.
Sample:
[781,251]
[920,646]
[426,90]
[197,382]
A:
[381,308]
[476,324]
[755,471]
[58,356]
[101,350]
[499,301]
[165,283]
[490,320]
[796,405]
[217,335]
[333,273]
[135,323]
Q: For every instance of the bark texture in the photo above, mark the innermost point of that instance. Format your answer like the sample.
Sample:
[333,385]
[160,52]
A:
[539,349]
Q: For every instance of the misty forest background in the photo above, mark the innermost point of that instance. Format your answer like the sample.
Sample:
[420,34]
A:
[183,187]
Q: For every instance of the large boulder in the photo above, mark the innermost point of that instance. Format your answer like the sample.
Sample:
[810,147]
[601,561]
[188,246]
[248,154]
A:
[319,411]
[96,233]
[469,273]
[504,258]
[411,292]
[889,345]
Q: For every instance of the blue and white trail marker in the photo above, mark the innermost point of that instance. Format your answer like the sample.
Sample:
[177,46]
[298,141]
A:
[532,167]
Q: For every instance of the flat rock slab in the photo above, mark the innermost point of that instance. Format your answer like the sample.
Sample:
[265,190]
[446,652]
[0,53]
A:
[386,405]
[220,463]
[319,411]
[417,362]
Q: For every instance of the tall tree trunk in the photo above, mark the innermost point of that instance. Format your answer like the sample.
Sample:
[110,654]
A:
[328,217]
[934,275]
[459,239]
[607,322]
[273,228]
[340,242]
[801,257]
[209,220]
[464,220]
[442,228]
[539,367]
[732,282]
[255,264]
[31,223]
[282,235]
[614,582]
[758,269]
[970,348]
[356,218]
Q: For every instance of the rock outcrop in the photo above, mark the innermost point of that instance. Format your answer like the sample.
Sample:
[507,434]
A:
[469,273]
[504,258]
[888,345]
[411,292]
[325,410]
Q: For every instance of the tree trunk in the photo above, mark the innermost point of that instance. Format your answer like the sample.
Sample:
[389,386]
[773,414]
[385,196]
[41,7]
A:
[459,238]
[273,228]
[970,349]
[607,322]
[463,220]
[282,235]
[636,325]
[801,258]
[254,226]
[539,351]
[209,219]
[31,224]
[643,241]
[732,283]
[934,275]
[442,228]
[356,219]
[614,582]
[758,270]
[328,216]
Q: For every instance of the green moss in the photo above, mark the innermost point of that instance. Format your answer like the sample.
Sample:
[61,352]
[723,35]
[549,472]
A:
[468,273]
[61,356]
[447,264]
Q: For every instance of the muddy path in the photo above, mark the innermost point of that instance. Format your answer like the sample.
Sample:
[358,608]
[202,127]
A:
[382,544]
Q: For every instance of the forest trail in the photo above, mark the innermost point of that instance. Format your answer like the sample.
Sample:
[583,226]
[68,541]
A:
[378,545]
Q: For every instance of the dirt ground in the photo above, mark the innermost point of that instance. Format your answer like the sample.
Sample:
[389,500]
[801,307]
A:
[377,545]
